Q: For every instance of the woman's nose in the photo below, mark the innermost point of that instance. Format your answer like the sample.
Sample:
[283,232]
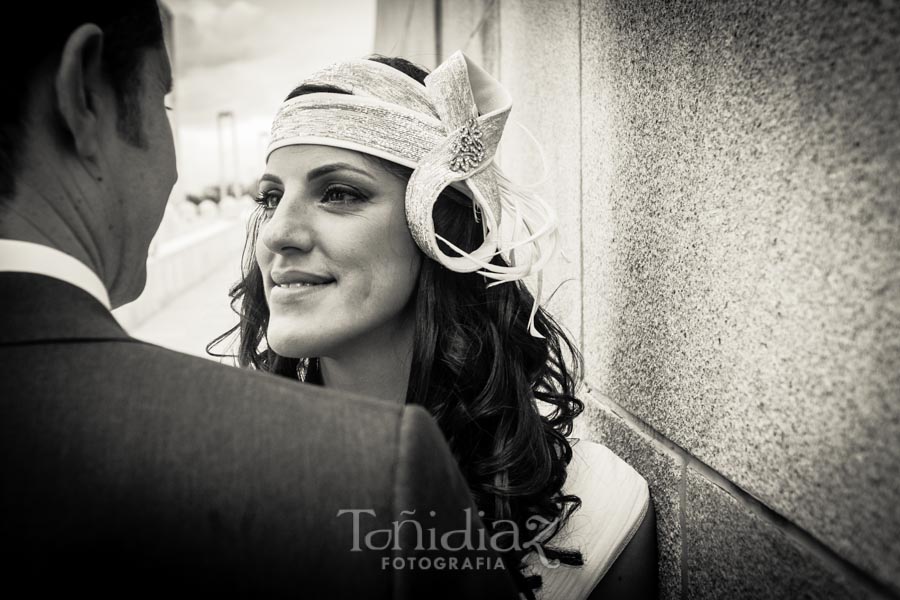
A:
[288,229]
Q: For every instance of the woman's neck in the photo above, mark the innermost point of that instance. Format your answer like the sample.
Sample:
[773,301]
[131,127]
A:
[377,366]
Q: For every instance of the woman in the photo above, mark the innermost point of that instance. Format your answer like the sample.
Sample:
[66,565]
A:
[378,232]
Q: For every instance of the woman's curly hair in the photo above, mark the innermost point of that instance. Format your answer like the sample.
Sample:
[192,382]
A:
[477,370]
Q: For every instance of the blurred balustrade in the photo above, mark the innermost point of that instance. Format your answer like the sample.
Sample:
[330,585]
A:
[193,241]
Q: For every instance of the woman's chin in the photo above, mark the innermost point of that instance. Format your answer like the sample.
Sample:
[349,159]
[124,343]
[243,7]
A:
[289,347]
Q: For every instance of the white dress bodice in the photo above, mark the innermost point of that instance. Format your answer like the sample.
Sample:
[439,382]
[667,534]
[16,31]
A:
[614,501]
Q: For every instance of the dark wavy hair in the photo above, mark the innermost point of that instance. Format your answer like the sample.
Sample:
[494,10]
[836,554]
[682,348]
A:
[475,368]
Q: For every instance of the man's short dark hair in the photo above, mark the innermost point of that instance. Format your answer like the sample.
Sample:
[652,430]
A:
[33,39]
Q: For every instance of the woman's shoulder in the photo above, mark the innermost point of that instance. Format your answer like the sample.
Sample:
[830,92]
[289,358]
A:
[614,501]
[596,460]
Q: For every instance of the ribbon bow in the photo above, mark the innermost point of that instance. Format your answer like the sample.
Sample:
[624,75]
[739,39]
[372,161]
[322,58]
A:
[473,107]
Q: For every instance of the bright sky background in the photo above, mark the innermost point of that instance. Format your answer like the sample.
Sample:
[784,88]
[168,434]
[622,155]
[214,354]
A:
[245,56]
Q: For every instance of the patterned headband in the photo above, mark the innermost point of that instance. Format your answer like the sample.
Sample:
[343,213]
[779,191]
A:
[447,131]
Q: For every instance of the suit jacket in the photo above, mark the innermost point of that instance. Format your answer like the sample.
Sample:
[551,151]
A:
[129,469]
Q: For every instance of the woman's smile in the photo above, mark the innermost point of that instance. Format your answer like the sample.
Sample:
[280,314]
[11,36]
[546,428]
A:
[294,292]
[291,285]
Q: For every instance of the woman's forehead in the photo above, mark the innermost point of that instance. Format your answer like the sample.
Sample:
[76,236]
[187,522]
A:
[302,154]
[304,157]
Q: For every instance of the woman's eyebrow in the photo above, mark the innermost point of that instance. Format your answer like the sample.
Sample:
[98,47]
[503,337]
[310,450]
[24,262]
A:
[269,177]
[331,168]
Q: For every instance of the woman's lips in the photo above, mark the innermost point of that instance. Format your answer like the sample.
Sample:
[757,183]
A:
[290,292]
[300,284]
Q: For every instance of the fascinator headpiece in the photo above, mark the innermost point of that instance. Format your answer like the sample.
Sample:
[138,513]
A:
[447,131]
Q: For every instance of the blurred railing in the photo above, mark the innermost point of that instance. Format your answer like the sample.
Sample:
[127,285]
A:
[192,242]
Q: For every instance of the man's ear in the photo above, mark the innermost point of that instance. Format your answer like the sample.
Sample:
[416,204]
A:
[80,86]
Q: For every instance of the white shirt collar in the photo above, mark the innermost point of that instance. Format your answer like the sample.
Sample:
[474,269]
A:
[27,257]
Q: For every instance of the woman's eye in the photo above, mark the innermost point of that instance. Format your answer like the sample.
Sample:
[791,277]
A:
[339,194]
[267,199]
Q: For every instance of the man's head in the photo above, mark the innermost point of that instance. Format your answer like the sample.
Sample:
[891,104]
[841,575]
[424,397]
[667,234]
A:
[84,138]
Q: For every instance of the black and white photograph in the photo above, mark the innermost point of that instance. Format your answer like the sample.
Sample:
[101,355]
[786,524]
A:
[450,299]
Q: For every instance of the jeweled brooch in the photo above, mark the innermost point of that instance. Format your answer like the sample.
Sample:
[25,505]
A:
[467,148]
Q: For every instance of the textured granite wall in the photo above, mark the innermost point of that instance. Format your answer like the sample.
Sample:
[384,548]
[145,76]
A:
[728,180]
[742,206]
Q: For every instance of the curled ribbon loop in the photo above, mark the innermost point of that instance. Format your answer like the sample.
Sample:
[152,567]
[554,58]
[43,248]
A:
[455,88]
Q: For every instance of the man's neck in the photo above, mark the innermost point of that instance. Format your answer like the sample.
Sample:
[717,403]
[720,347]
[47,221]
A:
[53,218]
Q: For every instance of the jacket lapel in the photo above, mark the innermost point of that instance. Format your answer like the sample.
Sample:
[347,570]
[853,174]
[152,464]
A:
[35,308]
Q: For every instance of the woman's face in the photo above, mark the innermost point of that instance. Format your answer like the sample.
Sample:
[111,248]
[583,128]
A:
[338,263]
